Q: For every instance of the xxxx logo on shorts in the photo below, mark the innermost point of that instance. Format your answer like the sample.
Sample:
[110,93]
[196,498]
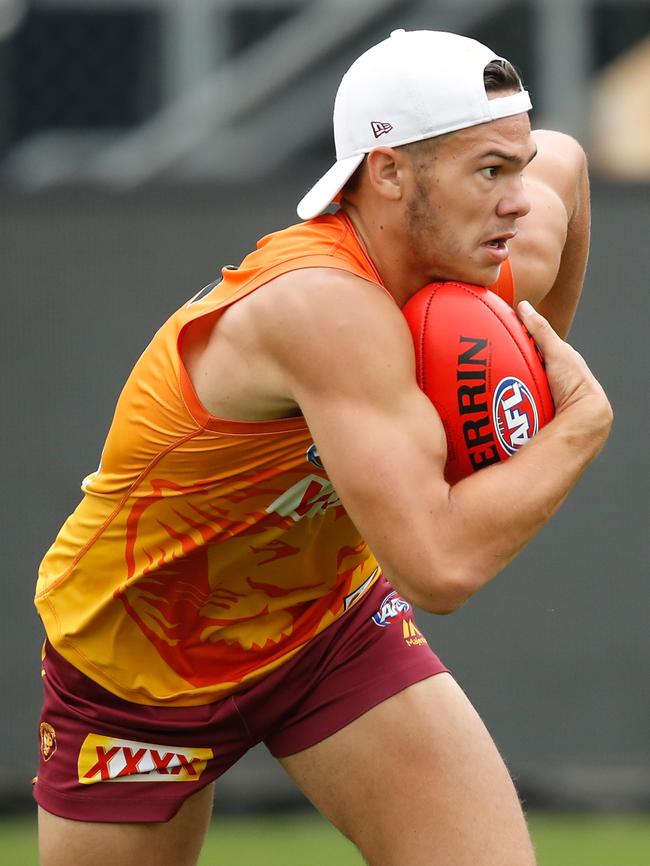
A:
[105,759]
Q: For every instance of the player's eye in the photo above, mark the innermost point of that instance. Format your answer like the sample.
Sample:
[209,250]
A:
[490,172]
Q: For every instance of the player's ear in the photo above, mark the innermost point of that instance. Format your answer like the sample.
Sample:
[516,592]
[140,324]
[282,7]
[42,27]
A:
[384,167]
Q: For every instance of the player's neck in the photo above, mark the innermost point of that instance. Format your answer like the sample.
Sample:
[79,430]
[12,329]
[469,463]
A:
[386,249]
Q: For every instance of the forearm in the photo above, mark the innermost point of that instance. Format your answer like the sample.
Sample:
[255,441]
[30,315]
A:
[495,513]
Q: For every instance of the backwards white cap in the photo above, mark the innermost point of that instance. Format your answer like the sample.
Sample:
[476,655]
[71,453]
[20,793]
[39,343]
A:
[413,85]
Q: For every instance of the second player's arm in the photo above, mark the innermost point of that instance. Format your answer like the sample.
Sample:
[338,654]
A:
[346,356]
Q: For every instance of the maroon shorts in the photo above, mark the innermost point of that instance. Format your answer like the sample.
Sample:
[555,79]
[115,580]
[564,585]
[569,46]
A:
[92,742]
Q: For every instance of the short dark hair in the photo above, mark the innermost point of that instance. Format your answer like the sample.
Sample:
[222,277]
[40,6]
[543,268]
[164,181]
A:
[498,76]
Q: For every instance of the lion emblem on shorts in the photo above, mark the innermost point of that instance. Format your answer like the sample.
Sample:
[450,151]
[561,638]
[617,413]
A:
[48,740]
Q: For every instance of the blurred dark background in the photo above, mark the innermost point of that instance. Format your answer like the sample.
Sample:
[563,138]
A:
[143,145]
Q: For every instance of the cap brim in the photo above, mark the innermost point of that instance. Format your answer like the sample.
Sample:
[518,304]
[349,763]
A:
[325,190]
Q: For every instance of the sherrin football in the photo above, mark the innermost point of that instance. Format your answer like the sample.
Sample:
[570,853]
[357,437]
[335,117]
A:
[482,371]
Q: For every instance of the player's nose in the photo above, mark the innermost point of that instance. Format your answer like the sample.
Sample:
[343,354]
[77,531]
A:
[516,203]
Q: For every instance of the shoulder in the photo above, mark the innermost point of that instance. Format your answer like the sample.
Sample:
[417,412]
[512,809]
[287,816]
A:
[559,165]
[308,316]
[298,340]
[558,147]
[333,292]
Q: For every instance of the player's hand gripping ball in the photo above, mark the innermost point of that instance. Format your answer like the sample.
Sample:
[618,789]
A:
[481,369]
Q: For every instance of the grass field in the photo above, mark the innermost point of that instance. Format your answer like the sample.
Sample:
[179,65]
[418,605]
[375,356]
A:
[290,840]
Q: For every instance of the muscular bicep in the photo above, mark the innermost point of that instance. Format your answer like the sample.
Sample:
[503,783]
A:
[352,372]
[386,464]
[381,450]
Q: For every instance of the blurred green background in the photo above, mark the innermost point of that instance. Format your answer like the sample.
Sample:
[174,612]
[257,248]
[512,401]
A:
[297,839]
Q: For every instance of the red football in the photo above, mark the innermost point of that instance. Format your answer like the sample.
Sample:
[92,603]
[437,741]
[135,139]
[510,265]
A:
[482,371]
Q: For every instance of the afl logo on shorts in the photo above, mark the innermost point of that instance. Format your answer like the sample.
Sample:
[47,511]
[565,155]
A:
[48,740]
[515,414]
[393,608]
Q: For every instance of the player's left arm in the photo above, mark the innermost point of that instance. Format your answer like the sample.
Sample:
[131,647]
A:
[549,253]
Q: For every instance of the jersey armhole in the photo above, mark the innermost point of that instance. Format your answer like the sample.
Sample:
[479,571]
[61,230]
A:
[205,420]
[214,309]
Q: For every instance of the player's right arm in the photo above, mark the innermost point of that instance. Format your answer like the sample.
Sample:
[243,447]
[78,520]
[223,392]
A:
[342,351]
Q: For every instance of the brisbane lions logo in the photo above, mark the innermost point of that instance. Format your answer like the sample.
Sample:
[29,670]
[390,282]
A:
[47,736]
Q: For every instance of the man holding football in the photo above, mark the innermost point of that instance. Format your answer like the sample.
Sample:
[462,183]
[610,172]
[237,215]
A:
[272,464]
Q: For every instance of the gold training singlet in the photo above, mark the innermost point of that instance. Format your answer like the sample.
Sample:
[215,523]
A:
[206,552]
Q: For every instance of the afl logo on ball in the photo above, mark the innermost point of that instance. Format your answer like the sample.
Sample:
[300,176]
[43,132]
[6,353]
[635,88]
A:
[515,414]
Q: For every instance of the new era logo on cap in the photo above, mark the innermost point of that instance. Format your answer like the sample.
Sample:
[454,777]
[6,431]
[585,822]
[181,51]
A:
[379,128]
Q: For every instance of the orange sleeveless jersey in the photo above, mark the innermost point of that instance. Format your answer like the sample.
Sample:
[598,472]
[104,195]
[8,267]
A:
[206,552]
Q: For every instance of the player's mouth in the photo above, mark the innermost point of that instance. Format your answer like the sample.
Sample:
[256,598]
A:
[497,247]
